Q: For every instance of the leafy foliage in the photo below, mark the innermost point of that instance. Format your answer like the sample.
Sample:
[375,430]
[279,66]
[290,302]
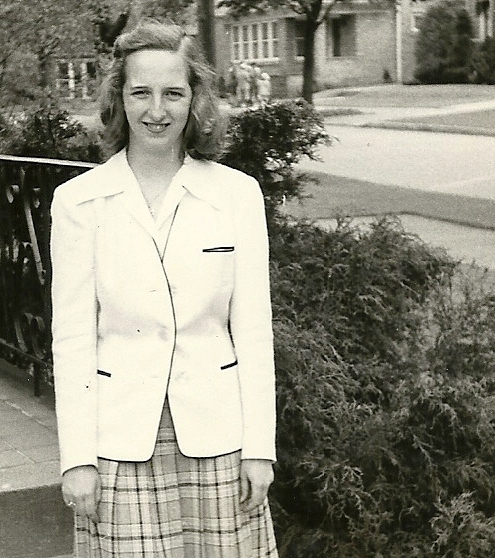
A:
[48,131]
[384,401]
[444,47]
[483,62]
[268,142]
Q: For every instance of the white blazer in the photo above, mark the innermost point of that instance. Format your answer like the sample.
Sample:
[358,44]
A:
[139,315]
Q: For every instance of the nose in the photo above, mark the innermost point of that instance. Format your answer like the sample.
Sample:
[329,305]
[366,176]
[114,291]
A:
[157,107]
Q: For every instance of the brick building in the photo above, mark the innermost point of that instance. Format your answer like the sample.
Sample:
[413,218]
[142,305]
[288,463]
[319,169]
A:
[360,42]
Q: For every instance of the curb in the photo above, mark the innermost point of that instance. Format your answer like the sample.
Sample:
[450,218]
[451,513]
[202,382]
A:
[423,127]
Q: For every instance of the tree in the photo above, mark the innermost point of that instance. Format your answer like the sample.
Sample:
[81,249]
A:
[178,11]
[207,29]
[44,27]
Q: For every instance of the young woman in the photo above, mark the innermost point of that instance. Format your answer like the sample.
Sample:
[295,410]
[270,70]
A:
[162,338]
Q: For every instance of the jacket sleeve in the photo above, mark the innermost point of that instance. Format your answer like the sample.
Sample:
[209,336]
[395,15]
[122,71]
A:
[74,328]
[251,322]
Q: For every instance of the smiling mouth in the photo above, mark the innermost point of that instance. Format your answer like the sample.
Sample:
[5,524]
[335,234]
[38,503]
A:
[156,128]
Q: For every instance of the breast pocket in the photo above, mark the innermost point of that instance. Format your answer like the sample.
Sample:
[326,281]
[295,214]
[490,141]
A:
[219,249]
[218,264]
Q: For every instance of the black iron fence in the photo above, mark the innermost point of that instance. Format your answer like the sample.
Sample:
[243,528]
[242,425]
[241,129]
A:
[26,190]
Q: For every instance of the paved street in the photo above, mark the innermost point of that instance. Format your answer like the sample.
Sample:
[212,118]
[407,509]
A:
[368,148]
[453,163]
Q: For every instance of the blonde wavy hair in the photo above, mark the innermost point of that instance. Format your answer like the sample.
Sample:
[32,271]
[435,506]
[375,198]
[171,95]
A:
[204,131]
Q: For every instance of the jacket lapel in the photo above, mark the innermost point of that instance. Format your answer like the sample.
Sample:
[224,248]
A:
[132,198]
[194,177]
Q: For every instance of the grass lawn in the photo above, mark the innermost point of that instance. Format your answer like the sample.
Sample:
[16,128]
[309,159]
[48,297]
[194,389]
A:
[333,196]
[406,95]
[480,120]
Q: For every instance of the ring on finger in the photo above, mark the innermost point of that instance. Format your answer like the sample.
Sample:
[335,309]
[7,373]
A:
[71,504]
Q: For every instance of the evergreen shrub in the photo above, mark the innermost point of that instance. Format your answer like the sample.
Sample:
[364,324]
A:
[385,396]
[268,142]
[444,46]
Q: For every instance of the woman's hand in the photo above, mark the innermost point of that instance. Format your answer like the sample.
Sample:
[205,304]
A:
[81,489]
[256,478]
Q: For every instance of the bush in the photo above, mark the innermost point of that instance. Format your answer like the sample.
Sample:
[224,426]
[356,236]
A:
[20,81]
[385,396]
[46,130]
[359,285]
[483,62]
[268,142]
[443,47]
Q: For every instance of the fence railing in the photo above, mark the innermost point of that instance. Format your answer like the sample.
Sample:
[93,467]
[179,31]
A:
[26,190]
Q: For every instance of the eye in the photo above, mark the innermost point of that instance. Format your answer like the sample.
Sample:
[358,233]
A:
[139,93]
[174,94]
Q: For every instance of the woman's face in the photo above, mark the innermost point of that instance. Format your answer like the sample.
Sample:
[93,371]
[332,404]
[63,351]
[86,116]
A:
[157,98]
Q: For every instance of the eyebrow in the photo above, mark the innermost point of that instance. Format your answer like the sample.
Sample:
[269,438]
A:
[173,87]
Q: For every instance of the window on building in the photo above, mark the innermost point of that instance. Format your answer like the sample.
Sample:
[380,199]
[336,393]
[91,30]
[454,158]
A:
[236,43]
[299,31]
[341,36]
[485,24]
[76,79]
[255,41]
[336,37]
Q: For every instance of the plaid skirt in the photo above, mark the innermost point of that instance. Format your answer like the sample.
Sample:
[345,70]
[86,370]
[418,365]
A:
[174,506]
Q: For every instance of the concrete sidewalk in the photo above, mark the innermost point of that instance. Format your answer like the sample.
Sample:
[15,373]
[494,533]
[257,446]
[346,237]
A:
[393,117]
[34,522]
[370,110]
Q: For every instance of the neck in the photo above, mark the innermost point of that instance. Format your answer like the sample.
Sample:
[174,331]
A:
[146,162]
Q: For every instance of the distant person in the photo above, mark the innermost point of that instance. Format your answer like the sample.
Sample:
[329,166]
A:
[231,84]
[255,74]
[162,335]
[264,88]
[243,84]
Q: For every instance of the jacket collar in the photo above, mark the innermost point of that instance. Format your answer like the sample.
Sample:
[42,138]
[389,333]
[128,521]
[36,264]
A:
[200,180]
[197,177]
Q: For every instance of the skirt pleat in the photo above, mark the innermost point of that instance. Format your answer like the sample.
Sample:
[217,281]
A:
[174,506]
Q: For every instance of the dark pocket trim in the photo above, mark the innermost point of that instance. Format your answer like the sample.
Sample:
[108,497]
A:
[231,365]
[219,249]
[103,373]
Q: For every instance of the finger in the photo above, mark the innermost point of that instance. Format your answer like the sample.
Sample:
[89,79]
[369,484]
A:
[258,495]
[89,508]
[92,507]
[96,500]
[67,496]
[98,492]
[71,504]
[244,488]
